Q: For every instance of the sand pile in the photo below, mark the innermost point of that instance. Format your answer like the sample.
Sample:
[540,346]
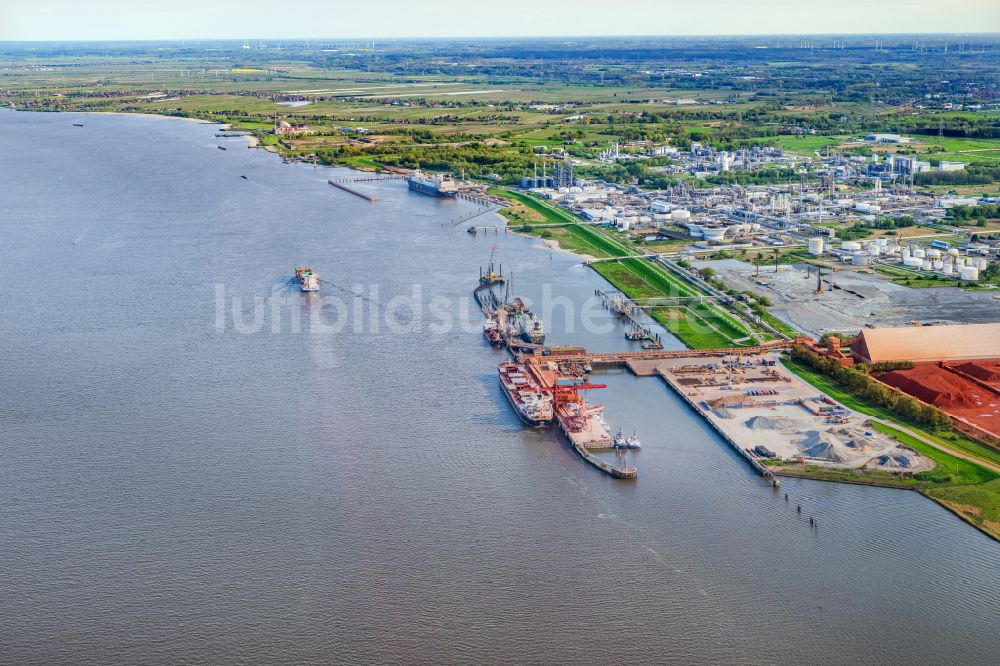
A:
[825,451]
[935,385]
[988,371]
[723,413]
[894,461]
[764,423]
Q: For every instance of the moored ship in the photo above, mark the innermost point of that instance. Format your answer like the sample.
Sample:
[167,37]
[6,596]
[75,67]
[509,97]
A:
[435,185]
[532,329]
[491,329]
[307,279]
[523,391]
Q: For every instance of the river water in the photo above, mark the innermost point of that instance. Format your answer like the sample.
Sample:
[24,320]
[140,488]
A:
[180,484]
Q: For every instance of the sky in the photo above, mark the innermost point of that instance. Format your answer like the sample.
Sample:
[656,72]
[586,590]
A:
[60,20]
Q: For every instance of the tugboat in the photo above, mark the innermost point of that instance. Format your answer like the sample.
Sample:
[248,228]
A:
[633,442]
[308,281]
[620,441]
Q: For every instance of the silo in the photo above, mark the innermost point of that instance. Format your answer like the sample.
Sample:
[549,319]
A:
[969,273]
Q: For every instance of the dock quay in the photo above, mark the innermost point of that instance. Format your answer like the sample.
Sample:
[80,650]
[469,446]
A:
[353,191]
[765,412]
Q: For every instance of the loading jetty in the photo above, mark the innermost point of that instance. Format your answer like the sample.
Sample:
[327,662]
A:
[628,311]
[347,188]
[552,377]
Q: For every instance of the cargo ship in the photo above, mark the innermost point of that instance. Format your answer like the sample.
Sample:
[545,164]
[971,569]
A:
[531,328]
[491,329]
[308,281]
[435,185]
[523,391]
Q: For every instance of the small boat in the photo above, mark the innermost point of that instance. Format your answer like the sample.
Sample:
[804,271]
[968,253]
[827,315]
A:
[633,442]
[635,334]
[308,281]
[620,441]
[244,178]
[77,124]
[221,147]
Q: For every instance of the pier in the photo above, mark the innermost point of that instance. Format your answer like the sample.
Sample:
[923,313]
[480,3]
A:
[626,309]
[353,191]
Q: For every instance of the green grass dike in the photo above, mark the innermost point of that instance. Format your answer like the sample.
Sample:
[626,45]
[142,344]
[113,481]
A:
[969,490]
[698,324]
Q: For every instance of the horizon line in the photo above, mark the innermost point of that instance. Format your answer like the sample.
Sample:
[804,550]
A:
[501,37]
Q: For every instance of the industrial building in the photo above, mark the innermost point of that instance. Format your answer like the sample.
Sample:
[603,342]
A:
[928,343]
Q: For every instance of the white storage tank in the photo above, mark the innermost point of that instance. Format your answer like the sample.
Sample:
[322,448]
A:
[882,242]
[981,264]
[815,246]
[959,262]
[680,215]
[953,252]
[850,246]
[969,274]
[933,254]
[860,259]
[912,262]
[926,265]
[918,252]
[947,269]
[938,264]
[906,253]
[874,250]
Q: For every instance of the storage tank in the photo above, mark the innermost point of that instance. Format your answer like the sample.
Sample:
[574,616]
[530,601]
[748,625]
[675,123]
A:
[947,270]
[918,252]
[860,258]
[938,264]
[926,266]
[850,246]
[756,226]
[906,253]
[933,254]
[912,262]
[981,264]
[969,274]
[874,250]
[815,246]
[882,242]
[680,215]
[953,252]
[959,262]
[714,232]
